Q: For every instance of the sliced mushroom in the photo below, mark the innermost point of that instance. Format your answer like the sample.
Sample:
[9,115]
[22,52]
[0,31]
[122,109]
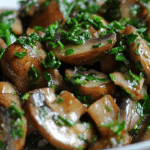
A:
[49,115]
[94,88]
[48,16]
[136,92]
[144,52]
[14,130]
[104,111]
[85,54]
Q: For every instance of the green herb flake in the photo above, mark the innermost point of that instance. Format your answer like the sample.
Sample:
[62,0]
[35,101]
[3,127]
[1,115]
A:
[17,128]
[69,51]
[61,121]
[51,62]
[20,54]
[14,111]
[60,44]
[112,77]
[51,44]
[109,41]
[131,38]
[25,96]
[43,113]
[33,73]
[97,46]
[137,52]
[116,127]
[60,100]
[47,77]
[81,137]
[107,108]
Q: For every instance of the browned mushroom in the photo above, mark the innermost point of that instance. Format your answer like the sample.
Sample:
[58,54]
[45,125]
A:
[144,52]
[99,86]
[136,91]
[48,16]
[104,111]
[85,54]
[13,127]
[57,119]
[17,69]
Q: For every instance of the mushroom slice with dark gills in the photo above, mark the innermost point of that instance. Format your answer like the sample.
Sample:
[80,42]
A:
[131,83]
[12,123]
[22,64]
[91,82]
[139,52]
[57,119]
[88,53]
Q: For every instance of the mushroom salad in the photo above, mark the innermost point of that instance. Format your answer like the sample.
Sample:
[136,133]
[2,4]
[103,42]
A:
[75,74]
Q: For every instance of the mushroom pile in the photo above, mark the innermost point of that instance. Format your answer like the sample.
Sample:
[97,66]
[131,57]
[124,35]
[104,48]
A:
[75,75]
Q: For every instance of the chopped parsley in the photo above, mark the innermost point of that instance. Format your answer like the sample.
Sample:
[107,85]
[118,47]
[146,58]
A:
[48,78]
[107,108]
[20,54]
[14,112]
[81,137]
[69,51]
[33,76]
[43,113]
[116,127]
[97,46]
[60,100]
[61,121]
[17,128]
[83,79]
[50,61]
[30,40]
